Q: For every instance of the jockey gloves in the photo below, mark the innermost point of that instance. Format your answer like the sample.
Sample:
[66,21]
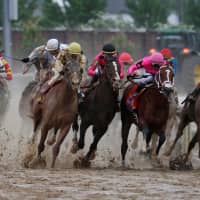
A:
[109,49]
[74,48]
[52,45]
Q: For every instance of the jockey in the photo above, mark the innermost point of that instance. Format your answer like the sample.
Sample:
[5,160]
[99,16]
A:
[5,68]
[52,46]
[74,49]
[126,59]
[167,53]
[149,66]
[96,68]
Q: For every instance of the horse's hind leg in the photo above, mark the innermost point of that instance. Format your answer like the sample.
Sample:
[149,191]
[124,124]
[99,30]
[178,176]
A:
[183,123]
[191,145]
[125,132]
[161,141]
[60,139]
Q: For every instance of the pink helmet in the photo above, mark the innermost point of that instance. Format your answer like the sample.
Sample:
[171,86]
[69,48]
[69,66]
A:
[126,57]
[157,58]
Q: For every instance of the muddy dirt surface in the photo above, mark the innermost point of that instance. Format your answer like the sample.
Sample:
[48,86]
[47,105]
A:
[105,180]
[98,184]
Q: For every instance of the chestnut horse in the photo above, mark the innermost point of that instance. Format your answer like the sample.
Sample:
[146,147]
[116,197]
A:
[58,108]
[152,110]
[189,113]
[98,109]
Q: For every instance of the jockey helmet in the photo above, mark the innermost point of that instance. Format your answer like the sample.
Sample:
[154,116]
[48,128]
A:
[74,48]
[126,58]
[108,49]
[157,58]
[166,52]
[52,45]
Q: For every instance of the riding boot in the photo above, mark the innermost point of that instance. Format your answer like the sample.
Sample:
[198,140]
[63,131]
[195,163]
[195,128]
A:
[83,94]
[45,88]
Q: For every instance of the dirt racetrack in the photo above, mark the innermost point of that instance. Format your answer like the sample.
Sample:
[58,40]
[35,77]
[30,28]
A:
[104,181]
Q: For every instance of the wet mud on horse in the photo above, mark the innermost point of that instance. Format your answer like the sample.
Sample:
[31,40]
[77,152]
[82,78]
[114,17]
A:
[153,111]
[98,110]
[56,110]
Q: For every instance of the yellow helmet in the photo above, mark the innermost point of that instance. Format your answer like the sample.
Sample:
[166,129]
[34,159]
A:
[74,48]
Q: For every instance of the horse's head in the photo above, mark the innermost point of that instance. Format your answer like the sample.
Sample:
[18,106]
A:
[165,78]
[111,72]
[74,71]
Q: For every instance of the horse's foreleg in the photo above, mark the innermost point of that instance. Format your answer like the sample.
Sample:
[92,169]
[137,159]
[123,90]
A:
[93,147]
[60,139]
[125,132]
[191,145]
[182,125]
[83,129]
[41,146]
[75,128]
[135,141]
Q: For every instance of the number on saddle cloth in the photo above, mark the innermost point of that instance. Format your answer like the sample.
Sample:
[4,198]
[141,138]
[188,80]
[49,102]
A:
[131,97]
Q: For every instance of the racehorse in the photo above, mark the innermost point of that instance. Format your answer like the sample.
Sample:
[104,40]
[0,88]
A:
[189,113]
[152,110]
[98,109]
[57,109]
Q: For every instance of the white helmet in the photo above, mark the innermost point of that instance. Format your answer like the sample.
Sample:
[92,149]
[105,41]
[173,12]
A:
[52,45]
[64,46]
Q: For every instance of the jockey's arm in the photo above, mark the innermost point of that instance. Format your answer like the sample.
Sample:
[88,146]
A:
[145,79]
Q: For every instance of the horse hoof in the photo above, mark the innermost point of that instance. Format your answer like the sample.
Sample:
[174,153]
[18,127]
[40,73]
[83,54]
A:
[51,141]
[74,148]
[37,163]
[81,163]
[92,156]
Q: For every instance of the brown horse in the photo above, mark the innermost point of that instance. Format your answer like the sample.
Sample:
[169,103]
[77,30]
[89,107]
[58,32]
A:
[152,110]
[189,113]
[57,109]
[98,109]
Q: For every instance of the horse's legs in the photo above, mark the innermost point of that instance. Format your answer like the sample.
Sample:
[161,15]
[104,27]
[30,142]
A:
[183,123]
[61,137]
[191,145]
[75,128]
[148,134]
[96,139]
[162,138]
[35,131]
[135,141]
[44,132]
[125,132]
[83,129]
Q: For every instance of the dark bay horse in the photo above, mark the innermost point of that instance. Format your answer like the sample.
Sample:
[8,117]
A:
[57,109]
[98,109]
[152,110]
[189,113]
